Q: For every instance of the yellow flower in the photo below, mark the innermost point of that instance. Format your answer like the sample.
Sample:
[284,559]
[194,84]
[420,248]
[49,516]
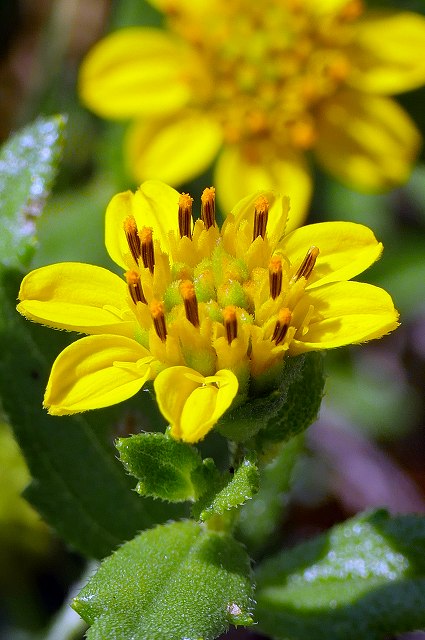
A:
[207,313]
[258,85]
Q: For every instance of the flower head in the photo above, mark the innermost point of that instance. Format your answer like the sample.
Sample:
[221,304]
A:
[259,85]
[208,314]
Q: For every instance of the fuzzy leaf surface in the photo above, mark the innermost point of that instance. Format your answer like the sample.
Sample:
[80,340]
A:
[288,410]
[176,581]
[229,491]
[164,466]
[28,166]
[363,579]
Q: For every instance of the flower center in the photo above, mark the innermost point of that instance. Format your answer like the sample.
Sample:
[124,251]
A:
[221,298]
[265,67]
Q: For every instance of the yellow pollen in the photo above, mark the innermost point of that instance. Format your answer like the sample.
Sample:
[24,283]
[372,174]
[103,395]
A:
[188,294]
[147,248]
[282,326]
[135,287]
[307,265]
[158,317]
[230,323]
[133,240]
[185,215]
[208,207]
[275,276]
[261,216]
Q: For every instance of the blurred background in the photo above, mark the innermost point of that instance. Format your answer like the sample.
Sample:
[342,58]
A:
[367,448]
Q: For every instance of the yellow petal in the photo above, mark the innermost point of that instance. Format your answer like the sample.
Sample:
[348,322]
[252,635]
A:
[346,313]
[94,372]
[78,297]
[277,218]
[154,205]
[185,7]
[235,176]
[174,150]
[366,141]
[134,72]
[387,54]
[193,403]
[346,249]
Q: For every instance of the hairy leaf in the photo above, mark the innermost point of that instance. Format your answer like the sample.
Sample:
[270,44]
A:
[175,581]
[163,466]
[229,491]
[28,165]
[288,410]
[364,579]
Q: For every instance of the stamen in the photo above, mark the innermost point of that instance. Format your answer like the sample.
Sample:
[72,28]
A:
[133,240]
[208,207]
[135,287]
[147,248]
[307,265]
[230,323]
[158,317]
[187,291]
[275,276]
[282,326]
[185,215]
[261,216]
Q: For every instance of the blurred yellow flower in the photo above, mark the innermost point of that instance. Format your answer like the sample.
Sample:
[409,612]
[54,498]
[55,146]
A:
[209,314]
[259,85]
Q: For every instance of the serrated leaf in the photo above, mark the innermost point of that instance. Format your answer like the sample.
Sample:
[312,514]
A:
[286,411]
[259,517]
[164,466]
[364,579]
[78,485]
[229,492]
[28,165]
[176,581]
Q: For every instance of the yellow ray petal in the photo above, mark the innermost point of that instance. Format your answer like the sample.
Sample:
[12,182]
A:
[277,218]
[154,204]
[174,150]
[95,372]
[346,313]
[366,141]
[134,72]
[235,177]
[346,249]
[393,62]
[78,297]
[193,403]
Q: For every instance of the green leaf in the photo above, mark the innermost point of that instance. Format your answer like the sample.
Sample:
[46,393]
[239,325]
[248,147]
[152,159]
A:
[163,466]
[229,492]
[260,516]
[28,165]
[364,579]
[176,581]
[79,487]
[288,410]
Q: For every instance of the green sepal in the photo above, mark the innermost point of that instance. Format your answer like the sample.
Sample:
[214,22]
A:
[178,580]
[28,165]
[288,410]
[166,468]
[229,491]
[363,579]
